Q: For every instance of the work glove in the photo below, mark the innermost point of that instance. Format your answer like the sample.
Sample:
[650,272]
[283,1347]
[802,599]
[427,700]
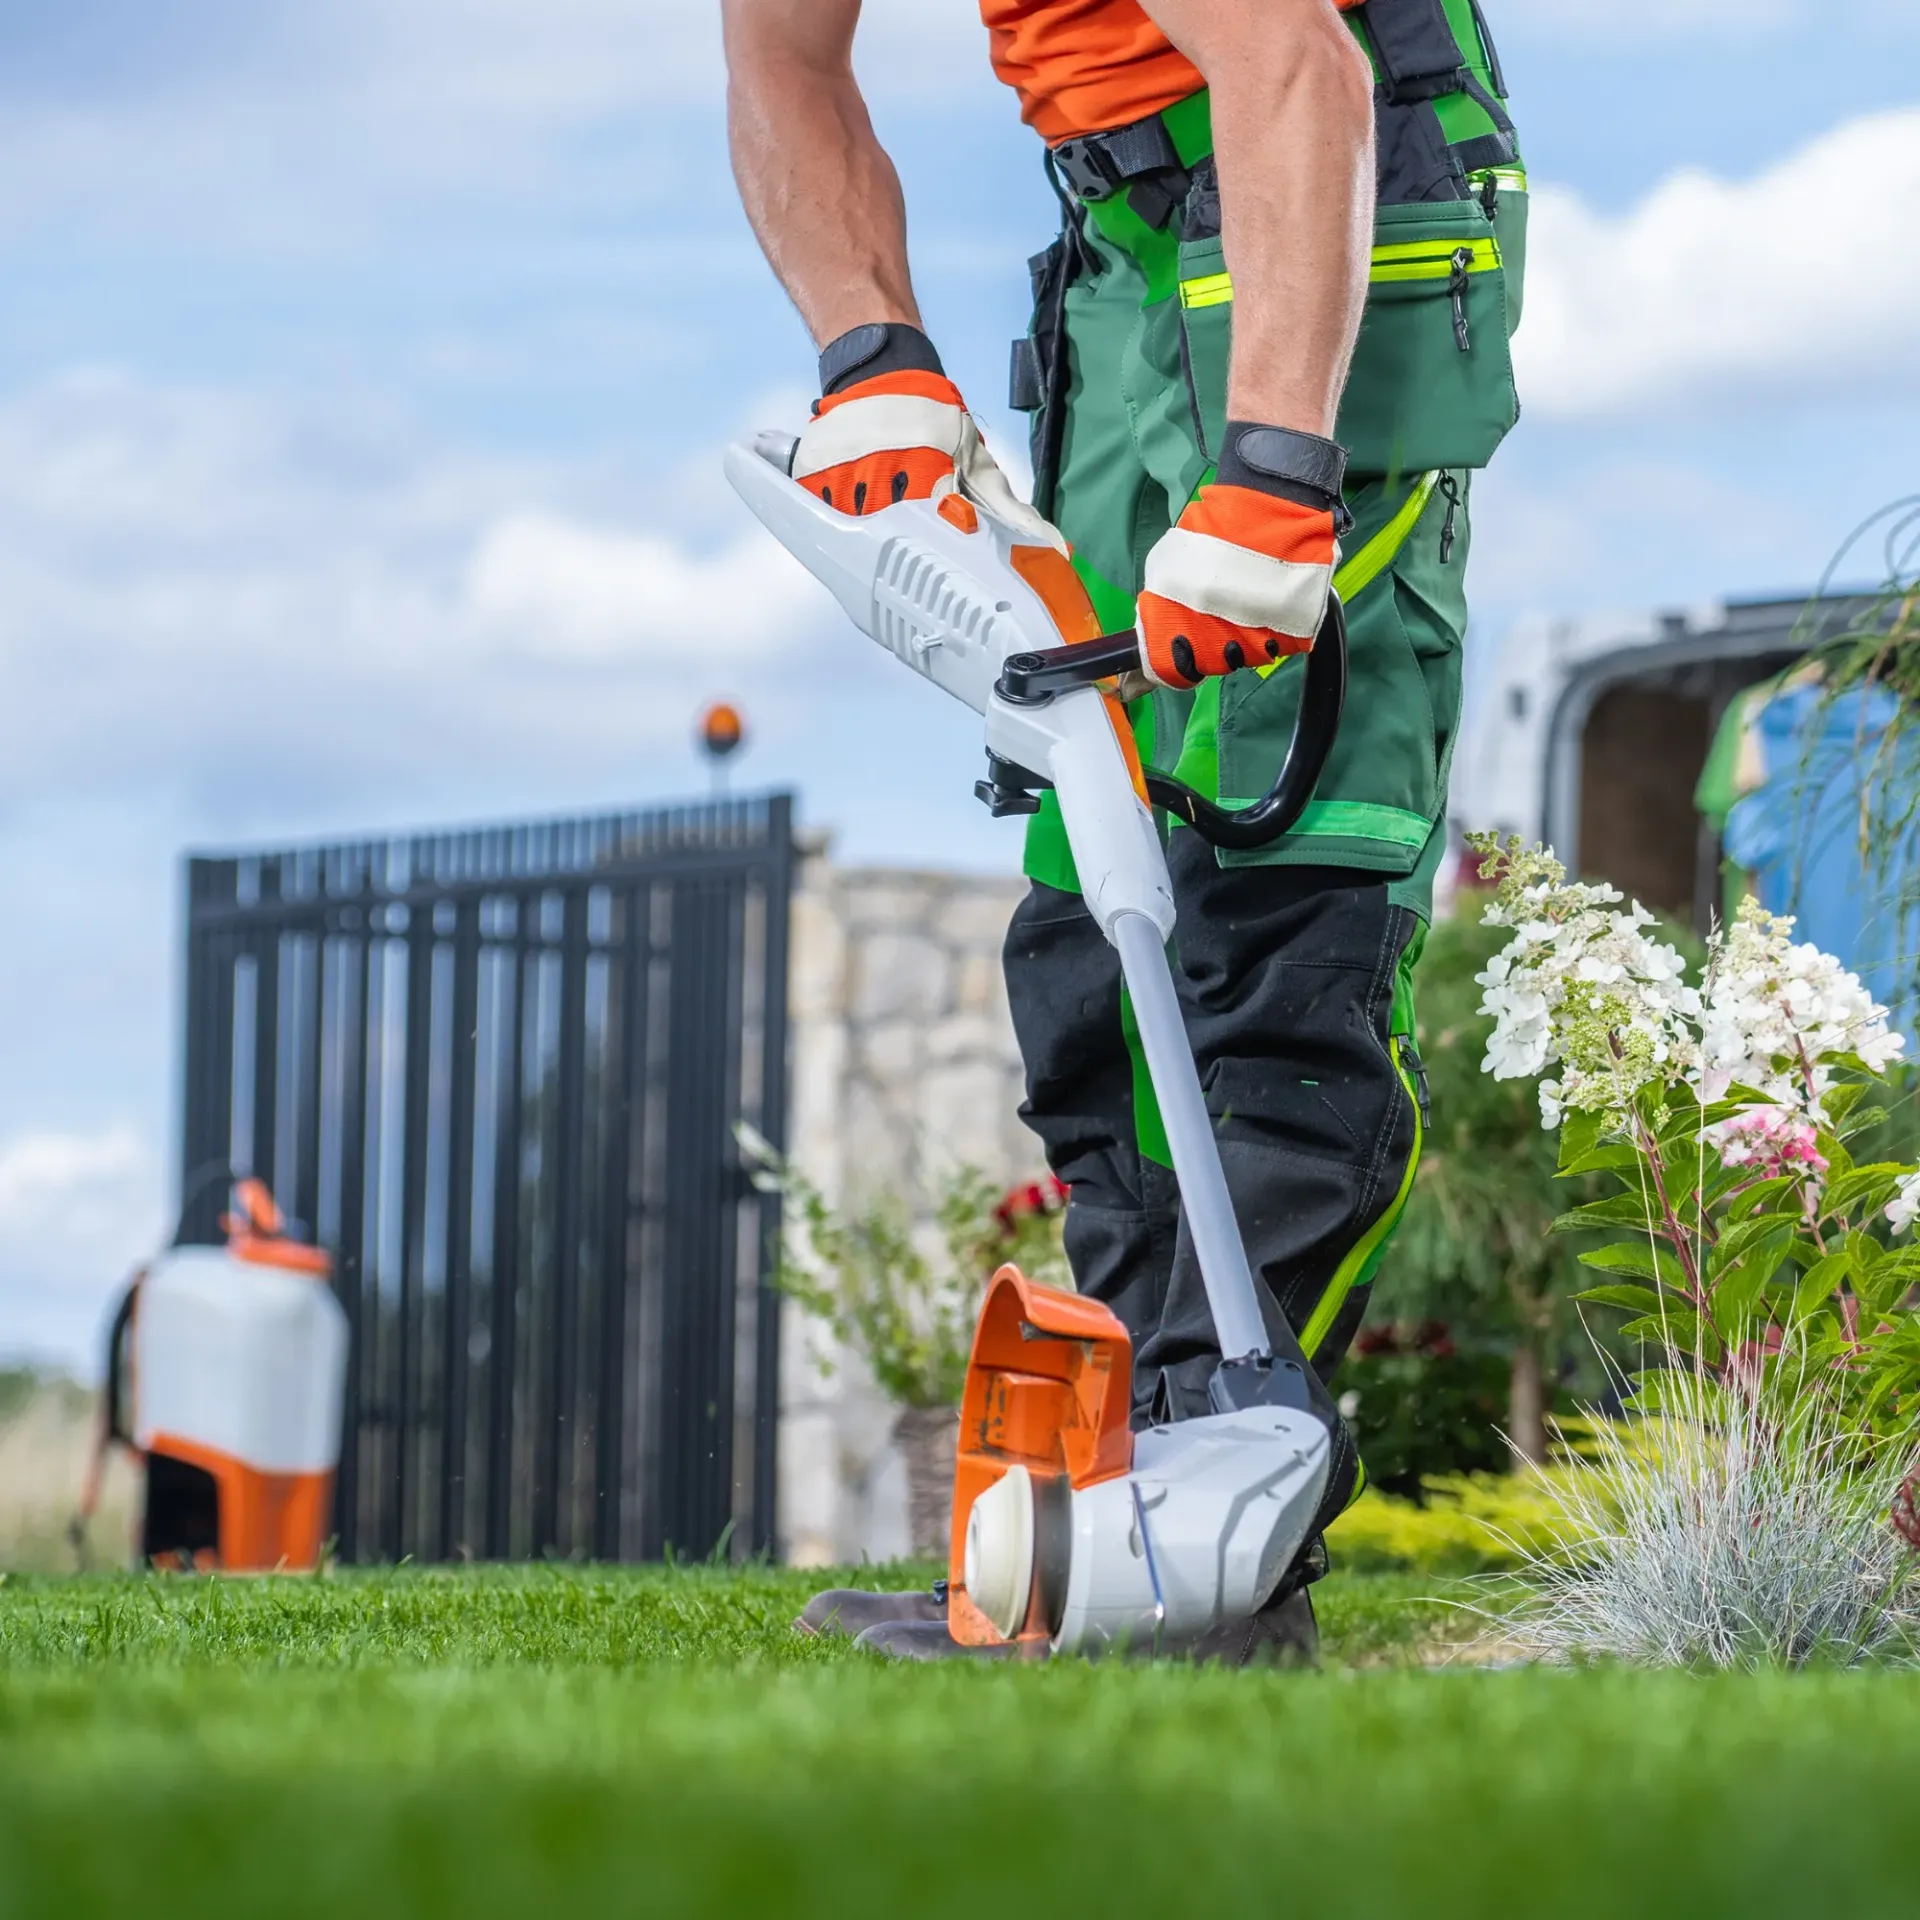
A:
[891,426]
[1242,577]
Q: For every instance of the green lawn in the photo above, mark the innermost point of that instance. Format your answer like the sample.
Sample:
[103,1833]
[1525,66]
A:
[656,1742]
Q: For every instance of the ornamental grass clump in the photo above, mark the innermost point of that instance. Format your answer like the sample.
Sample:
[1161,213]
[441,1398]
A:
[1761,1509]
[1725,1532]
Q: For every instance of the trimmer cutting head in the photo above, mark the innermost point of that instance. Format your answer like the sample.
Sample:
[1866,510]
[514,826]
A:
[1072,1533]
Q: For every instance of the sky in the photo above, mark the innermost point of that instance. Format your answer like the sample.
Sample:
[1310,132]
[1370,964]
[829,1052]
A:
[364,370]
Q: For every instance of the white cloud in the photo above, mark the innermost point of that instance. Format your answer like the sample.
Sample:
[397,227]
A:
[1803,281]
[77,1211]
[562,591]
[211,594]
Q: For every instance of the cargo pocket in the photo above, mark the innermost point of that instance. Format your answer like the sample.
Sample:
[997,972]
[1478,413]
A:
[1376,803]
[1432,378]
[1206,337]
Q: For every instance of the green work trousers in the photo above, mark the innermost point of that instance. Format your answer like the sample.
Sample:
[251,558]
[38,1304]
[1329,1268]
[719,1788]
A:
[1294,962]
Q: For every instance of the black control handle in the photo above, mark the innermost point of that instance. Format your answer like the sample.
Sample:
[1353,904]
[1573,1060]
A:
[1027,678]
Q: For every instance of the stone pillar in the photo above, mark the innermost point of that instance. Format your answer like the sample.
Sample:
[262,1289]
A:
[904,1067]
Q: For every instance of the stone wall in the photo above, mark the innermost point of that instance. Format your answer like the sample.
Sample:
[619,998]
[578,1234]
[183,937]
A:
[904,1067]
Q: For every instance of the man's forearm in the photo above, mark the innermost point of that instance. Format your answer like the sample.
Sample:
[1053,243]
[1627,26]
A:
[1293,139]
[821,194]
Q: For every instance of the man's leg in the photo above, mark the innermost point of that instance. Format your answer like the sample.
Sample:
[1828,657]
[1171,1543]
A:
[1288,978]
[1063,983]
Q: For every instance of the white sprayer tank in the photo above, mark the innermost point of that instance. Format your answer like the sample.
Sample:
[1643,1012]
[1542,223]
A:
[239,1368]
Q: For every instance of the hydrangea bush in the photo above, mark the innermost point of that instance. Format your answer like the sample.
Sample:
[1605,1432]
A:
[1769,1276]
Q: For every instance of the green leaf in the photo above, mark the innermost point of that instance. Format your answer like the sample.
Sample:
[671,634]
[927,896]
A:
[1680,1330]
[1735,1303]
[1622,1210]
[1839,1160]
[1579,1136]
[1735,1289]
[1641,1259]
[1633,1299]
[1863,1189]
[1818,1283]
[1681,1177]
[1616,1159]
[1864,1253]
[1741,1237]
[1760,1194]
[1881,1289]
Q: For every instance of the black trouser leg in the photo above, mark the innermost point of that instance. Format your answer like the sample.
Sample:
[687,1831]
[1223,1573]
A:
[1286,977]
[1123,1210]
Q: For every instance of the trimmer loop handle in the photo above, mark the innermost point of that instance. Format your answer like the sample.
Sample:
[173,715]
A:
[1033,677]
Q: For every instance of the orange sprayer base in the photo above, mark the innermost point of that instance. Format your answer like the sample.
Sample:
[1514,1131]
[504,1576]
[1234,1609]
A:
[269,1522]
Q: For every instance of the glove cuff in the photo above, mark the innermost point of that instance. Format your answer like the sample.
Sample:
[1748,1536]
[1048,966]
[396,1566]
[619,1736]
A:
[882,346]
[1301,467]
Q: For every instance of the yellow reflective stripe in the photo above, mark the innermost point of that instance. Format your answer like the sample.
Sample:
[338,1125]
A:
[1398,260]
[1432,259]
[1507,179]
[1320,1322]
[1365,567]
[1207,290]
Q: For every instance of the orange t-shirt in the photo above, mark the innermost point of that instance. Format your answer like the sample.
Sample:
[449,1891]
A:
[1084,66]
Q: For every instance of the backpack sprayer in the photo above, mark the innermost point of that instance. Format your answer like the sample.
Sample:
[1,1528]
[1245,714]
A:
[225,1374]
[1069,1529]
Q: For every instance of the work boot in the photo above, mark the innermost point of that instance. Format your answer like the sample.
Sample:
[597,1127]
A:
[1283,1634]
[852,1610]
[930,1640]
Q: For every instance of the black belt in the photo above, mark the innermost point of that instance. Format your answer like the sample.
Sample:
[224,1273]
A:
[1140,157]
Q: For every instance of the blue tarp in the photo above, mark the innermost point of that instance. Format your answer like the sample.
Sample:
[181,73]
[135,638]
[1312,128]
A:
[1799,834]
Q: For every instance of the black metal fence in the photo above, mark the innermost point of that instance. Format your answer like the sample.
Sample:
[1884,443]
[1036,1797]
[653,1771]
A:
[498,1072]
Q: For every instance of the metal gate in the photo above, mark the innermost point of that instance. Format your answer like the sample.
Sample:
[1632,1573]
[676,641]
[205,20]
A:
[497,1074]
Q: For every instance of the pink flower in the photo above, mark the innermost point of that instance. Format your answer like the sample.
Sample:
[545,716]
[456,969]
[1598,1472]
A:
[1771,1140]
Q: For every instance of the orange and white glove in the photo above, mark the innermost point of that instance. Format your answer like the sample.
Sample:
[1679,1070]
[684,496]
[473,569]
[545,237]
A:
[890,426]
[1242,577]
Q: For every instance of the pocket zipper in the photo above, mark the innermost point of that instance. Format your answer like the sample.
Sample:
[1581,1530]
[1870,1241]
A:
[1392,264]
[1457,287]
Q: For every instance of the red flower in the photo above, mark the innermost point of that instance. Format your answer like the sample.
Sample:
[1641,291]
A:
[1433,1338]
[1028,1201]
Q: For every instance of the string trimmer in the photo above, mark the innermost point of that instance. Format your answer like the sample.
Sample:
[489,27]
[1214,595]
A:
[1068,1528]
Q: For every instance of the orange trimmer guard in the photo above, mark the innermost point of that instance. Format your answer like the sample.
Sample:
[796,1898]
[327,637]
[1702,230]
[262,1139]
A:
[1049,1388]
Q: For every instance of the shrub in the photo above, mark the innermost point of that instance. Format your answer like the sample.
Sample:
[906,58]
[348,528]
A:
[1470,1523]
[866,1275]
[1755,1258]
[1419,1407]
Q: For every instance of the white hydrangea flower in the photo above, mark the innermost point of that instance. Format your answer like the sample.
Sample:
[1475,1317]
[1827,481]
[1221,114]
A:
[1776,1010]
[1905,1204]
[1582,985]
